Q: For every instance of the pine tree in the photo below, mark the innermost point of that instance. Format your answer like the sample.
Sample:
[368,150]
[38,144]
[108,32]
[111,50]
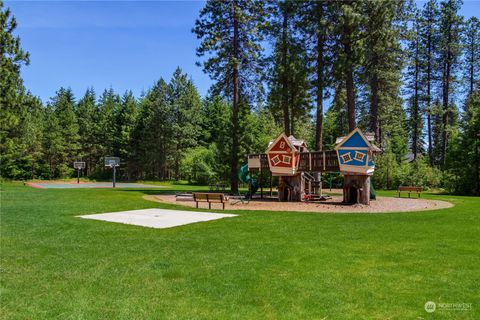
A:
[152,136]
[32,128]
[12,97]
[230,33]
[53,144]
[414,87]
[125,121]
[89,130]
[289,96]
[348,52]
[217,131]
[63,105]
[384,31]
[186,116]
[316,28]
[471,43]
[336,120]
[108,105]
[450,45]
[429,47]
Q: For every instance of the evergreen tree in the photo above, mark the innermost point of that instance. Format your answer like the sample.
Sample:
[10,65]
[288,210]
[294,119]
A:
[53,144]
[152,136]
[186,116]
[89,130]
[108,105]
[125,121]
[429,46]
[63,107]
[12,97]
[450,45]
[32,127]
[289,96]
[216,125]
[348,53]
[336,120]
[383,56]
[230,33]
[414,87]
[316,27]
[471,43]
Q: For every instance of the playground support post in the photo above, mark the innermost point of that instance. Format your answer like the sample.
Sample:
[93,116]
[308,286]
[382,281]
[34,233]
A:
[261,183]
[271,185]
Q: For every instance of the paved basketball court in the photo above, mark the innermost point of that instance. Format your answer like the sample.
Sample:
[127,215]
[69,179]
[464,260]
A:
[157,218]
[90,185]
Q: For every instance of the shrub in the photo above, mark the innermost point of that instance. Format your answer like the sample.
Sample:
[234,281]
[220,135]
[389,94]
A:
[389,174]
[197,165]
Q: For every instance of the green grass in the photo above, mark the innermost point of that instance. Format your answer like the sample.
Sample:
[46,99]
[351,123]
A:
[273,265]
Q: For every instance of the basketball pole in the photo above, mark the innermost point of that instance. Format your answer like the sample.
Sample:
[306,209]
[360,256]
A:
[78,175]
[114,174]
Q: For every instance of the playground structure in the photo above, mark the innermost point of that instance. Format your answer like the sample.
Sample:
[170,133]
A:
[289,159]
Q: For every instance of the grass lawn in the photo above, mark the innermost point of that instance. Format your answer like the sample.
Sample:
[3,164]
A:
[259,265]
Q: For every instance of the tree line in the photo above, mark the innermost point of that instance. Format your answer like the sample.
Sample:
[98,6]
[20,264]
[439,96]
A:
[314,69]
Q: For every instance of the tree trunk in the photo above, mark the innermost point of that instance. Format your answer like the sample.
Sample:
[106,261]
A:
[349,85]
[320,67]
[350,100]
[415,104]
[471,68]
[446,92]
[320,87]
[284,76]
[374,125]
[429,97]
[234,159]
[477,167]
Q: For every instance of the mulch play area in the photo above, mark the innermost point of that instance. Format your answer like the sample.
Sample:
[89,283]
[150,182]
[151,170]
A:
[382,204]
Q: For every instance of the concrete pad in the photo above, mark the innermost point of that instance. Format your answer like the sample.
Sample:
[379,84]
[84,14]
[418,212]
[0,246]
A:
[157,218]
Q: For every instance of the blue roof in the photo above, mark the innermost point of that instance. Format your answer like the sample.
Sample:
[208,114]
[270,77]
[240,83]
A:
[356,141]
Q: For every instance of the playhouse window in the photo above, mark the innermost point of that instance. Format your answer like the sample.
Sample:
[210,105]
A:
[359,156]
[276,160]
[287,159]
[346,157]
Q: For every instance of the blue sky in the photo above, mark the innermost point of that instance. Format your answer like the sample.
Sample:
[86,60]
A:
[123,45]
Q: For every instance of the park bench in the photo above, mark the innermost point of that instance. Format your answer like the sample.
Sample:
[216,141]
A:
[418,190]
[210,198]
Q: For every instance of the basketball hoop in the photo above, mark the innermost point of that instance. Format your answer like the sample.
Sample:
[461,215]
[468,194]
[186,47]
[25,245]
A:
[112,162]
[79,165]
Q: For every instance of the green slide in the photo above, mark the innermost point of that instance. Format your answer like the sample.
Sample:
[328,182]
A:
[245,177]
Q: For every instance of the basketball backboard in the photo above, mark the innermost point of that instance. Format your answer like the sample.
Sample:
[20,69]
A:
[112,162]
[79,165]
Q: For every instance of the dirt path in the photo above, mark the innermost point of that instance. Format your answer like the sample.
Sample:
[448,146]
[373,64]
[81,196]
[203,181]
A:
[382,204]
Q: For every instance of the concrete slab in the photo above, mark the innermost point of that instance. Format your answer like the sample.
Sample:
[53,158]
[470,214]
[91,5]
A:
[157,218]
